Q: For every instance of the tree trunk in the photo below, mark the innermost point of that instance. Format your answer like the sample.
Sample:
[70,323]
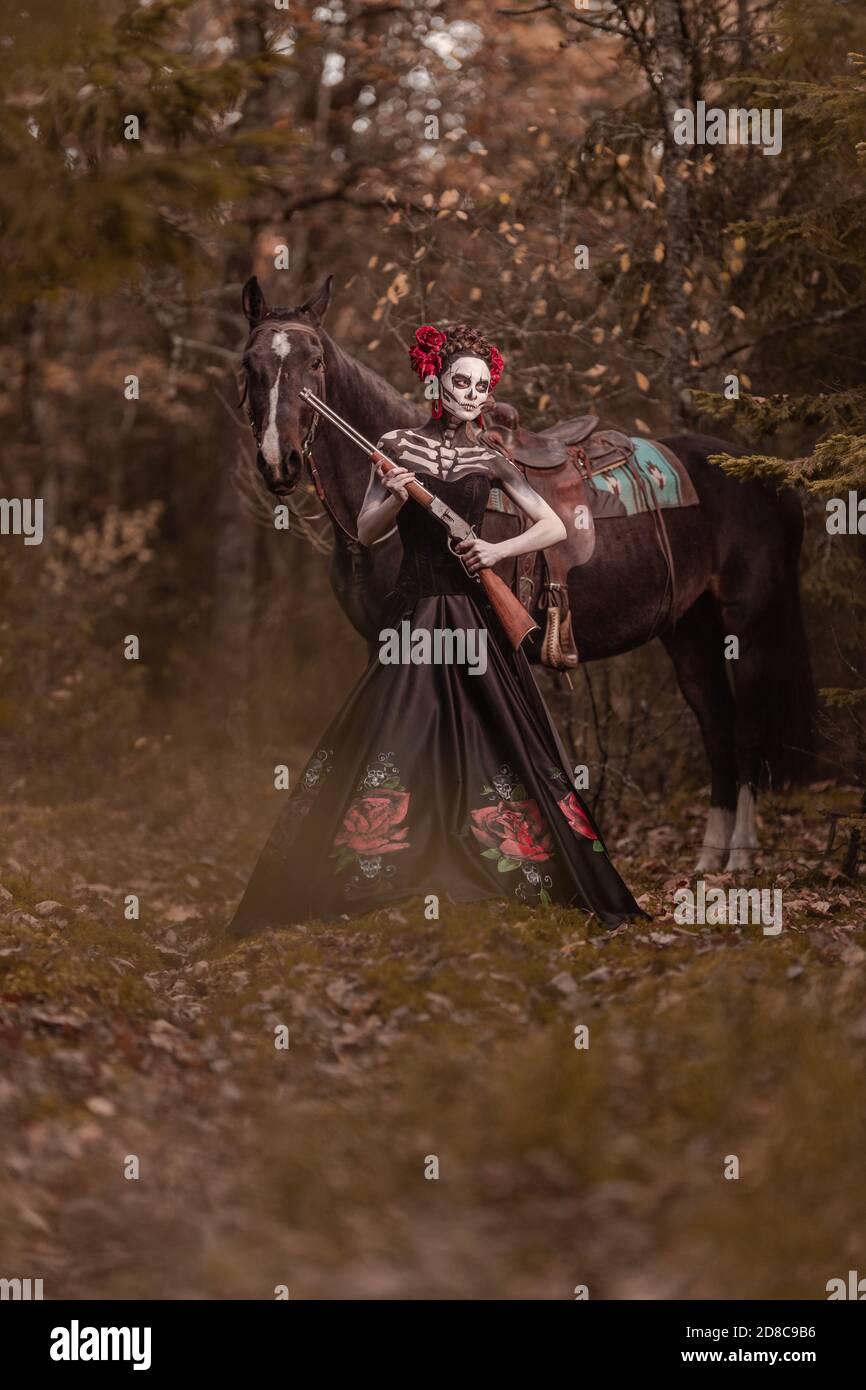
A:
[671,47]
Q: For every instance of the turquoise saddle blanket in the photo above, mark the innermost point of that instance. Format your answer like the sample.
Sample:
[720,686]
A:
[650,479]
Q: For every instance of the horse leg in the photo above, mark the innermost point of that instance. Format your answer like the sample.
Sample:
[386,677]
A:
[754,684]
[744,840]
[359,581]
[695,647]
[760,604]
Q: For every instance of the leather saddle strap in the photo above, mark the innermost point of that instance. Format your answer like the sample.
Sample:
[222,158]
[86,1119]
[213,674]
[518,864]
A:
[525,579]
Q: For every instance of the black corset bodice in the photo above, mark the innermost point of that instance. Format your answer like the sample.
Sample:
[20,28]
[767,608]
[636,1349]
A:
[428,565]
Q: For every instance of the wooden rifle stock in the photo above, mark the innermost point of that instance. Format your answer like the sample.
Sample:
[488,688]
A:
[516,623]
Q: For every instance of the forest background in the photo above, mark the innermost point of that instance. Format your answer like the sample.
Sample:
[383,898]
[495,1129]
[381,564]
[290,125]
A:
[309,127]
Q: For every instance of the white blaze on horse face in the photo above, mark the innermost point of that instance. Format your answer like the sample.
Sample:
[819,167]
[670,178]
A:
[281,347]
[465,386]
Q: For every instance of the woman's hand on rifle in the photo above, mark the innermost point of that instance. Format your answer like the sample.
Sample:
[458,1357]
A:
[477,554]
[395,480]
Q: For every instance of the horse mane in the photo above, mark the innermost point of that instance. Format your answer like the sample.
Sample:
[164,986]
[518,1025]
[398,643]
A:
[367,390]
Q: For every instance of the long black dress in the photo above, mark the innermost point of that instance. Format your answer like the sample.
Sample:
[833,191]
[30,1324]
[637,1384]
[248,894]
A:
[431,779]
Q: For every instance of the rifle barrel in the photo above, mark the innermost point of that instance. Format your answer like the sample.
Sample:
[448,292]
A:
[324,409]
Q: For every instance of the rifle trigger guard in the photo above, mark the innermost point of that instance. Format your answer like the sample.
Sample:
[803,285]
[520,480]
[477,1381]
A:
[452,546]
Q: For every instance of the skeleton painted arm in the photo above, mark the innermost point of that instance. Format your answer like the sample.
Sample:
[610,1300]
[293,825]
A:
[383,499]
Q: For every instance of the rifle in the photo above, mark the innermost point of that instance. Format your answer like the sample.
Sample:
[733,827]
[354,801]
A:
[516,622]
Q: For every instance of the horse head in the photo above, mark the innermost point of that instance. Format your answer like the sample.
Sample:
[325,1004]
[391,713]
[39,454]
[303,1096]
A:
[283,353]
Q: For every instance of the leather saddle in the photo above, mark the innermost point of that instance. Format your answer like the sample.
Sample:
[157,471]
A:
[551,448]
[559,462]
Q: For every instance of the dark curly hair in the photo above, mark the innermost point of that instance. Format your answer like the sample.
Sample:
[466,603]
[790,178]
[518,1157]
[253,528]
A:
[464,341]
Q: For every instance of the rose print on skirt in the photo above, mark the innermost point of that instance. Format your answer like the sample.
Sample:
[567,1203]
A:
[373,826]
[580,821]
[512,831]
[515,835]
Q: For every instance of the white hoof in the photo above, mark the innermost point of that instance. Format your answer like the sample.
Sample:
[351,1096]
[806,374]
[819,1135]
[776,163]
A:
[717,839]
[740,861]
[744,841]
[710,861]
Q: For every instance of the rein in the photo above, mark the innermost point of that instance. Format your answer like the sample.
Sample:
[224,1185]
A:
[309,437]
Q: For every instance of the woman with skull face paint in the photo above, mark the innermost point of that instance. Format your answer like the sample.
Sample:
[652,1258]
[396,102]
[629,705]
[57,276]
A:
[443,773]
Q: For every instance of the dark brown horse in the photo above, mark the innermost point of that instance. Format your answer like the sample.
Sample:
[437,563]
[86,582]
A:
[735,557]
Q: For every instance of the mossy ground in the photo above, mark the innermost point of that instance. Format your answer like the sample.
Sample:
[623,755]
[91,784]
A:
[410,1038]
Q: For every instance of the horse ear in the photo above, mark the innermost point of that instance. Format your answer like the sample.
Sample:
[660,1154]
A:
[253,301]
[317,304]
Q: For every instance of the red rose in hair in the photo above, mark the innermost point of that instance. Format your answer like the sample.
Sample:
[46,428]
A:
[425,363]
[424,354]
[429,337]
[497,362]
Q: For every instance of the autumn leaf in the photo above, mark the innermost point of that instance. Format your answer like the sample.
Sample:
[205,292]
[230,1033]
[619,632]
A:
[398,288]
[642,381]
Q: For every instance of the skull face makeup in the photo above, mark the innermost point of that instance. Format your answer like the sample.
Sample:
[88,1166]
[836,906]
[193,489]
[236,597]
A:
[465,387]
